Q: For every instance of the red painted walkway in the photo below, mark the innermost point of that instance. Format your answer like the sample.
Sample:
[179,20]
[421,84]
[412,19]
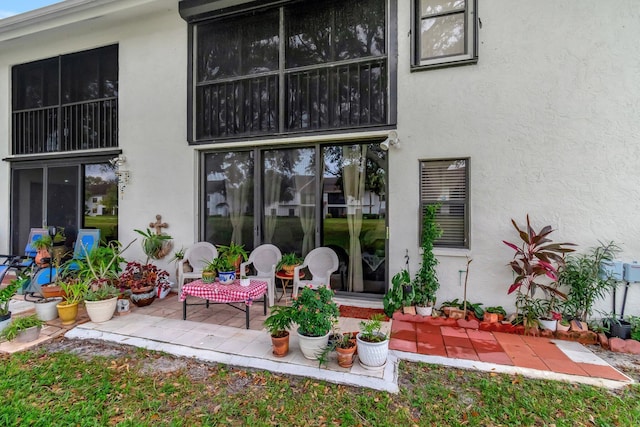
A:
[492,347]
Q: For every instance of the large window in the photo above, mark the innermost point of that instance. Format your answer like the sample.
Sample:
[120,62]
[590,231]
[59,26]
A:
[446,182]
[305,66]
[445,33]
[66,103]
[299,198]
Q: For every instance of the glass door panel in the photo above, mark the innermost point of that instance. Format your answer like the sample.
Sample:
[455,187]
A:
[229,198]
[354,215]
[26,192]
[101,200]
[62,201]
[289,199]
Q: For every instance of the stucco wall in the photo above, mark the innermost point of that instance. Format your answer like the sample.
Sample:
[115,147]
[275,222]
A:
[152,116]
[549,119]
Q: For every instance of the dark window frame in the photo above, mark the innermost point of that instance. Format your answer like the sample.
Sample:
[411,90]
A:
[470,56]
[447,241]
[195,14]
[78,116]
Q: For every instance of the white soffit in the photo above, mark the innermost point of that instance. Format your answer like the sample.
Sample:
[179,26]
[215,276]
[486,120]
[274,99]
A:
[73,11]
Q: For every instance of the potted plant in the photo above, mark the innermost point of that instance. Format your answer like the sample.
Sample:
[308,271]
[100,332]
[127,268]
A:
[209,271]
[408,306]
[394,297]
[141,280]
[288,262]
[5,298]
[226,269]
[101,265]
[154,245]
[617,327]
[315,312]
[582,275]
[563,325]
[46,308]
[23,329]
[234,253]
[177,257]
[277,324]
[373,344]
[346,346]
[535,265]
[56,244]
[494,314]
[100,300]
[74,290]
[42,247]
[426,283]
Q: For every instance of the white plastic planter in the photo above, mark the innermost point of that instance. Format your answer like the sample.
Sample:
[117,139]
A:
[46,310]
[372,354]
[101,311]
[312,347]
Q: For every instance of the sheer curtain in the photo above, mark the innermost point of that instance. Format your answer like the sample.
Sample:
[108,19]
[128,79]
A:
[237,192]
[272,185]
[305,189]
[353,175]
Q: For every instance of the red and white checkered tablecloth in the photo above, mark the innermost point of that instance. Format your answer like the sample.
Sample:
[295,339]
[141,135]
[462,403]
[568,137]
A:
[217,292]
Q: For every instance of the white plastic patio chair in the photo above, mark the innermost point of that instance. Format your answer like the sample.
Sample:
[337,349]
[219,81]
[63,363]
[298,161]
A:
[321,262]
[264,259]
[198,255]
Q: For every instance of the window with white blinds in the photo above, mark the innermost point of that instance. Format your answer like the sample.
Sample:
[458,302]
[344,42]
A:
[447,182]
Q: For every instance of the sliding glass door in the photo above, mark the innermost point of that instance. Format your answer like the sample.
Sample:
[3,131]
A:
[289,199]
[354,214]
[301,198]
[68,196]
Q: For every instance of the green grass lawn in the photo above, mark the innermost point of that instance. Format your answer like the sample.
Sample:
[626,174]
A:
[289,234]
[108,225]
[43,388]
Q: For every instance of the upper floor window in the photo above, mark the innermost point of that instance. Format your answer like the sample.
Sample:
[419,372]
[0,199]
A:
[304,66]
[66,103]
[445,33]
[446,182]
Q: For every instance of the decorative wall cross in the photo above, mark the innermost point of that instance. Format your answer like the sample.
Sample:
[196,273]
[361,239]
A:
[158,225]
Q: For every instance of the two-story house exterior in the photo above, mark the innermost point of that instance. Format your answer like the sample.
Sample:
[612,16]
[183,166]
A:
[223,114]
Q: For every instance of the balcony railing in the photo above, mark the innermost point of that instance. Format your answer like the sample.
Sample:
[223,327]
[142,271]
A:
[348,95]
[79,126]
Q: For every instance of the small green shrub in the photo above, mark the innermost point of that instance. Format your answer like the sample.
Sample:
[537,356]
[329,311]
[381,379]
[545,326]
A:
[19,324]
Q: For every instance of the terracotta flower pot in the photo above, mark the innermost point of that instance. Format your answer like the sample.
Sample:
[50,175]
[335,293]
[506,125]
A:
[40,255]
[346,356]
[491,317]
[280,345]
[52,291]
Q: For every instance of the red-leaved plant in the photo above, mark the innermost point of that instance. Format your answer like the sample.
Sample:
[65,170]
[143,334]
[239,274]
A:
[538,257]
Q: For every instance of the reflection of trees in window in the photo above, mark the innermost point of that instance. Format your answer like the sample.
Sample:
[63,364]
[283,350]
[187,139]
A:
[442,28]
[375,178]
[238,47]
[230,176]
[78,90]
[334,31]
[343,84]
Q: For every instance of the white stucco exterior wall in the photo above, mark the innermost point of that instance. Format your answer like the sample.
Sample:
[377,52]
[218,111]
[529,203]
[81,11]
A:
[152,115]
[548,118]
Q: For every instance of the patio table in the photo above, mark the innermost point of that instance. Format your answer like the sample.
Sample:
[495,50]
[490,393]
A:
[217,293]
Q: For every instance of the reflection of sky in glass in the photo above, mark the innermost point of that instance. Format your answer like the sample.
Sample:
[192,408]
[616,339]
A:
[103,170]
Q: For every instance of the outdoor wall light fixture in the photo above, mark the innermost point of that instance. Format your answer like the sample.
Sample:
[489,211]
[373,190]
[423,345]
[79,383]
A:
[391,141]
[122,174]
